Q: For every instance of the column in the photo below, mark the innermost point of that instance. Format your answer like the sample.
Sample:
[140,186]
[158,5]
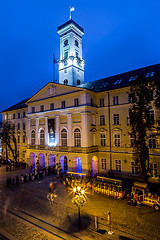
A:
[57,130]
[37,128]
[28,131]
[69,135]
[85,136]
[46,130]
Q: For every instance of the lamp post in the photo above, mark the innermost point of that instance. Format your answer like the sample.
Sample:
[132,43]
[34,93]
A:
[79,199]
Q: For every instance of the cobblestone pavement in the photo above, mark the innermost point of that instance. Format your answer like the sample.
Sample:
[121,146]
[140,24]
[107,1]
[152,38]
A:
[127,221]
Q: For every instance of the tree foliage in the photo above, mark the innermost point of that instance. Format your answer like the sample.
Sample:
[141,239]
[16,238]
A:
[140,123]
[8,139]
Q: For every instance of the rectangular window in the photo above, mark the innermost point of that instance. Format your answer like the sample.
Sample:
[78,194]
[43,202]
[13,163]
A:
[134,168]
[152,142]
[66,54]
[117,140]
[24,114]
[92,102]
[18,126]
[132,140]
[24,126]
[63,104]
[115,100]
[103,140]
[18,115]
[101,102]
[77,54]
[131,98]
[52,106]
[76,102]
[24,138]
[103,164]
[118,166]
[153,169]
[23,154]
[102,121]
[33,109]
[151,117]
[116,119]
[13,126]
[42,108]
[14,115]
[18,139]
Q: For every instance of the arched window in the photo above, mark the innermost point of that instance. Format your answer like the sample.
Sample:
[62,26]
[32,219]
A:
[33,137]
[66,42]
[78,82]
[65,82]
[42,137]
[77,138]
[64,137]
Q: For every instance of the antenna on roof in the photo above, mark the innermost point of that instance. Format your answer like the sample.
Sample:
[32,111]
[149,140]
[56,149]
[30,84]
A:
[54,61]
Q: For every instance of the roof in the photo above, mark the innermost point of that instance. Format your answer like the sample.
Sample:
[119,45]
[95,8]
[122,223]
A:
[17,106]
[122,80]
[70,22]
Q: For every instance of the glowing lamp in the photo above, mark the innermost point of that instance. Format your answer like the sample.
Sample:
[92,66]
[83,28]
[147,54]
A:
[82,191]
[78,188]
[74,189]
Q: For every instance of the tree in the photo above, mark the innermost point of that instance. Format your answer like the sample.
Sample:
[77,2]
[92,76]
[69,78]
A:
[139,114]
[9,140]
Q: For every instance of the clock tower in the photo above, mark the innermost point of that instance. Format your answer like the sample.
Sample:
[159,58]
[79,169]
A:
[71,64]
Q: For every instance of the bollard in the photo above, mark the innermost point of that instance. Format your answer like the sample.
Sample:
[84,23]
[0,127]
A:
[109,223]
[96,223]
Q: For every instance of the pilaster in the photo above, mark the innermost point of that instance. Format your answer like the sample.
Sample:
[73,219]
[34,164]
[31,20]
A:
[69,135]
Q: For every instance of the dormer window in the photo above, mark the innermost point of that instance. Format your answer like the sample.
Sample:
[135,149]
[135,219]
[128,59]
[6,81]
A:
[78,82]
[65,82]
[66,42]
[76,43]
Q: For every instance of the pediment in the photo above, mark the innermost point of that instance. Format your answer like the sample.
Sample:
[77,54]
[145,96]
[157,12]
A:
[52,90]
[116,129]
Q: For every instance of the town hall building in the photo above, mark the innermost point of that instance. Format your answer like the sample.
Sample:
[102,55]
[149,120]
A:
[81,125]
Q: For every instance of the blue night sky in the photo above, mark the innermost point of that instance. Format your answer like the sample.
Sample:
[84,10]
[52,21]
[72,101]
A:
[119,36]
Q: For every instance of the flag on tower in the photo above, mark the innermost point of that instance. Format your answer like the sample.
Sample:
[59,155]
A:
[71,10]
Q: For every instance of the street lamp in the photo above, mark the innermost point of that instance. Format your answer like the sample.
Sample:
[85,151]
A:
[79,200]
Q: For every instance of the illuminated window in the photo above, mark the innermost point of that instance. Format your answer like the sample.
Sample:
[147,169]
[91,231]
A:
[64,137]
[153,169]
[134,168]
[118,167]
[102,121]
[115,100]
[76,102]
[103,164]
[103,140]
[33,137]
[77,138]
[117,140]
[116,119]
[65,42]
[42,137]
[101,102]
[152,142]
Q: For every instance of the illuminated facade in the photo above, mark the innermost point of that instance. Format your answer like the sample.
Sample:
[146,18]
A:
[81,125]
